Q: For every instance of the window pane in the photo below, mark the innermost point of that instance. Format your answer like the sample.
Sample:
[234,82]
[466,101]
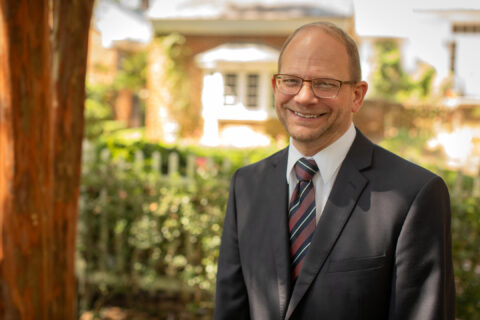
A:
[230,90]
[252,90]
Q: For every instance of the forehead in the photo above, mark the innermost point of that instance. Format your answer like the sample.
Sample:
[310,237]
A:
[314,52]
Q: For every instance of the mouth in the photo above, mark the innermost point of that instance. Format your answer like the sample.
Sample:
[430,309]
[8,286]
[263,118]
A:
[307,115]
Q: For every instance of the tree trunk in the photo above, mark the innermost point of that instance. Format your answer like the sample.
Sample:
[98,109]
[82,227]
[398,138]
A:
[40,154]
[27,176]
[70,43]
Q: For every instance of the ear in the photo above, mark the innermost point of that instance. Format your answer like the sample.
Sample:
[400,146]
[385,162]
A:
[358,94]
[273,85]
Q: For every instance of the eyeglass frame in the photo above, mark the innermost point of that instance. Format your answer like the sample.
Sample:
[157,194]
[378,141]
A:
[341,83]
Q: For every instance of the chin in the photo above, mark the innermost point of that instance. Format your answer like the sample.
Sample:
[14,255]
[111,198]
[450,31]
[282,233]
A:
[307,137]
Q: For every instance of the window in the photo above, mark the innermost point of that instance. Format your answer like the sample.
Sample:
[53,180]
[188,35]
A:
[243,88]
[230,90]
[242,70]
[252,90]
[247,94]
[466,28]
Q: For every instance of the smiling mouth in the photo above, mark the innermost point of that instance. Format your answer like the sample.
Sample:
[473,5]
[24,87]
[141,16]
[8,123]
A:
[307,116]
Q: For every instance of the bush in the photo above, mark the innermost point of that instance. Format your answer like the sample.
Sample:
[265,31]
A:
[465,198]
[143,231]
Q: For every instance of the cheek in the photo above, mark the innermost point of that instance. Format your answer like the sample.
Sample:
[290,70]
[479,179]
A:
[339,106]
[281,99]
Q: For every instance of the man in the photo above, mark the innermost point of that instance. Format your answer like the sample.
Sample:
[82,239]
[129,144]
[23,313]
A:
[350,231]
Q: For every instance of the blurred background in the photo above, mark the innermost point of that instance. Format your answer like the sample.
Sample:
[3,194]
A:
[179,96]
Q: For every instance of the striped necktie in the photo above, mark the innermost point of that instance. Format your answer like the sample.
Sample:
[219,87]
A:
[301,216]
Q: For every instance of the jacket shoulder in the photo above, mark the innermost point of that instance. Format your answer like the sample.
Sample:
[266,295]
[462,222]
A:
[399,165]
[387,169]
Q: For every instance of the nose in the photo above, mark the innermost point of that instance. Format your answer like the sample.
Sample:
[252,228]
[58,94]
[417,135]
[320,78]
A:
[306,95]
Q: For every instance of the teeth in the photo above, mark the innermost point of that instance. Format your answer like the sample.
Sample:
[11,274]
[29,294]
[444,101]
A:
[310,116]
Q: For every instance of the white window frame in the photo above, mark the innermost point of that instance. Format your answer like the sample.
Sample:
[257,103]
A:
[235,59]
[240,110]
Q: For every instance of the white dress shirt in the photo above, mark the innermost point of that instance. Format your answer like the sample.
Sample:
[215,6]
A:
[328,161]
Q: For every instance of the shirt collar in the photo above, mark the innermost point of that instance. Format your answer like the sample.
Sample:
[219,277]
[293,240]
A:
[328,160]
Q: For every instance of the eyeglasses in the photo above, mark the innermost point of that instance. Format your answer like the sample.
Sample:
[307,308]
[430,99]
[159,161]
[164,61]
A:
[321,87]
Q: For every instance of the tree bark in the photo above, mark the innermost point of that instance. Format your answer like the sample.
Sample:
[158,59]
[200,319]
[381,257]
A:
[41,128]
[27,158]
[70,42]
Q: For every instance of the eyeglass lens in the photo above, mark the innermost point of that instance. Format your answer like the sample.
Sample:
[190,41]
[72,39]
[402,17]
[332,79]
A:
[322,88]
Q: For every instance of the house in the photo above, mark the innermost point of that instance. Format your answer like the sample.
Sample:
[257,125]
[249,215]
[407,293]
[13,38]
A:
[234,46]
[443,34]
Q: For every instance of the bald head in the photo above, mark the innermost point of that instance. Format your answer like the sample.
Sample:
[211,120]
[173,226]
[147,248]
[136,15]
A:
[335,32]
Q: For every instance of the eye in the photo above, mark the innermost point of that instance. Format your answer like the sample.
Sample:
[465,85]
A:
[291,82]
[324,84]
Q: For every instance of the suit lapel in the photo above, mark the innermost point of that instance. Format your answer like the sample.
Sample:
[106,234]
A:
[346,190]
[277,201]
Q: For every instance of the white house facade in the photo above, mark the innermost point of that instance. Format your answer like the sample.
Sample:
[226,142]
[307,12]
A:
[443,34]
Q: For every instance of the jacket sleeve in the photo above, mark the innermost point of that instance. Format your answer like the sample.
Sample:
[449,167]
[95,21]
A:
[423,284]
[231,300]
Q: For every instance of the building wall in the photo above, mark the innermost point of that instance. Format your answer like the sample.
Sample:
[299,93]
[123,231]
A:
[102,62]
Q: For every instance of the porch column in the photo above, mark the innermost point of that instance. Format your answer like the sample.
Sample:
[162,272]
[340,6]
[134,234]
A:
[212,101]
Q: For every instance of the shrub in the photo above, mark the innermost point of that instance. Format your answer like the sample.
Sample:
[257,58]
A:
[141,230]
[465,202]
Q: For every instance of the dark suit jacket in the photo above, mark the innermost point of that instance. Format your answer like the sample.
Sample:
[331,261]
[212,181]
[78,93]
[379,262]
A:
[381,250]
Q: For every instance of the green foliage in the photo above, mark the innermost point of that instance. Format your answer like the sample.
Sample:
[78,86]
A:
[142,228]
[179,84]
[465,198]
[132,72]
[143,231]
[121,144]
[98,111]
[391,82]
[407,143]
[175,70]
[100,97]
[389,77]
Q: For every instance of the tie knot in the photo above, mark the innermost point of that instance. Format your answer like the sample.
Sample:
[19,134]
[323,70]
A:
[305,169]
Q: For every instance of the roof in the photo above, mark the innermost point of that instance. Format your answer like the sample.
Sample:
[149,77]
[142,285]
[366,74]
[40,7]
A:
[248,9]
[245,17]
[237,52]
[117,23]
[447,5]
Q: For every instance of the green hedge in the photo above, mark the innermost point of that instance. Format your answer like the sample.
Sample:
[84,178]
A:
[465,203]
[143,231]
